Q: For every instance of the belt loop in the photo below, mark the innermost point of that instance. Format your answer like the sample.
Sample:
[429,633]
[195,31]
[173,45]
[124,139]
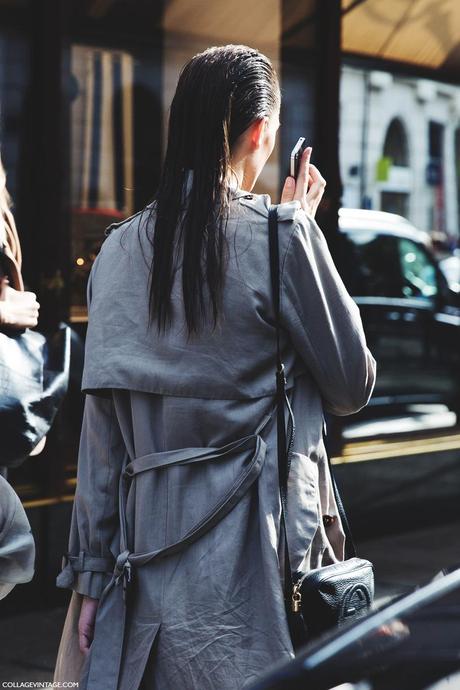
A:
[81,561]
[123,488]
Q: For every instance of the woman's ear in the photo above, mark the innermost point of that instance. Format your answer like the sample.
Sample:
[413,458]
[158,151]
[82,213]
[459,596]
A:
[257,132]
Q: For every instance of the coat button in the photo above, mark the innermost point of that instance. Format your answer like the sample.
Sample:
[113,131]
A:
[329,520]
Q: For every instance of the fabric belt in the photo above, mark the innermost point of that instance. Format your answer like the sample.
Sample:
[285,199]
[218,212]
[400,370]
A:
[98,671]
[85,561]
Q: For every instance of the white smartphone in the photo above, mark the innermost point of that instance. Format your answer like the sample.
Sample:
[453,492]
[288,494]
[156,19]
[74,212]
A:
[296,154]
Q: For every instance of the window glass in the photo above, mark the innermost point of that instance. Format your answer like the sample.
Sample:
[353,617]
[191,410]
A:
[436,169]
[418,270]
[395,202]
[115,141]
[377,271]
[395,146]
[14,78]
[101,153]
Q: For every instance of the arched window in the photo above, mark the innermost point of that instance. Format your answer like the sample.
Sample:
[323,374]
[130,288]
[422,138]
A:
[395,145]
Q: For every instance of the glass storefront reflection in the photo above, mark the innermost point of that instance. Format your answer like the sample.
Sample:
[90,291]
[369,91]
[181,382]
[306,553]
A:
[102,172]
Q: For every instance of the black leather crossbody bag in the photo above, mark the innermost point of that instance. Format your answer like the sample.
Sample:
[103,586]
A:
[331,595]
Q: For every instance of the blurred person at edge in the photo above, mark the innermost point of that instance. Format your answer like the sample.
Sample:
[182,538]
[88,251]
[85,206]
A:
[197,551]
[18,307]
[17,545]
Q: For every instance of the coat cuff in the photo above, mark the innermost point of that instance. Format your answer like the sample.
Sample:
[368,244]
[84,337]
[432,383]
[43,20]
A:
[85,574]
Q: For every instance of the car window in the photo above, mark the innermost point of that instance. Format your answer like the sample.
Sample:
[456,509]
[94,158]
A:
[417,269]
[377,267]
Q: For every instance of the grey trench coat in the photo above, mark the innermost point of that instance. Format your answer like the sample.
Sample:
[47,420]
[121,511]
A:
[175,524]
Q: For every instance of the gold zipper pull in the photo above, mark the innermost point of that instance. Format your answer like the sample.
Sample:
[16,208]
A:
[296,599]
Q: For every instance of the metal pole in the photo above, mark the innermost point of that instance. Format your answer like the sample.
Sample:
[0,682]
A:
[364,142]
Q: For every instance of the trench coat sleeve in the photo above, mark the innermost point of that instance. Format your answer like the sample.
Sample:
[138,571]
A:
[94,531]
[323,321]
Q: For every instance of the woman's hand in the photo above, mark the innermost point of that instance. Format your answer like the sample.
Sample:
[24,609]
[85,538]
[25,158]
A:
[18,309]
[309,186]
[86,623]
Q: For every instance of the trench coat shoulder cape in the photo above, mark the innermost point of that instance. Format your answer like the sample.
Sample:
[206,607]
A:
[182,546]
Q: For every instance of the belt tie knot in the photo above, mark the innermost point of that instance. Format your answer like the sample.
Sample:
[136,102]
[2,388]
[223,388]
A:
[123,570]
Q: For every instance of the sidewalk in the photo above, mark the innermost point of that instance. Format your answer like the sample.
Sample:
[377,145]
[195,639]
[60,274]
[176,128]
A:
[29,642]
[28,645]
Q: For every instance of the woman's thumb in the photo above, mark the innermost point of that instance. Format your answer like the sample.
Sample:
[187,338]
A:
[288,190]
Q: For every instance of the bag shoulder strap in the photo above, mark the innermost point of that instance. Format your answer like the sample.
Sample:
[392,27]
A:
[282,400]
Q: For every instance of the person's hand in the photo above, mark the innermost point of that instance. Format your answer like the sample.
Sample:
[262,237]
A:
[86,623]
[309,186]
[18,308]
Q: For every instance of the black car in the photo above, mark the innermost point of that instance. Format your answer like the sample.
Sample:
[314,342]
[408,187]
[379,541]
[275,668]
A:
[411,314]
[412,643]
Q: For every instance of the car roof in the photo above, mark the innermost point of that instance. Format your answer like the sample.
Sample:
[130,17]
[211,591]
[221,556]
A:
[354,220]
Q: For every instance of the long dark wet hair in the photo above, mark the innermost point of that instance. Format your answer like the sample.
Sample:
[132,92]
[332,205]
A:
[220,92]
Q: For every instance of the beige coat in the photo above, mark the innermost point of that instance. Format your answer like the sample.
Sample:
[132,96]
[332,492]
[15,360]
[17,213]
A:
[9,239]
[169,443]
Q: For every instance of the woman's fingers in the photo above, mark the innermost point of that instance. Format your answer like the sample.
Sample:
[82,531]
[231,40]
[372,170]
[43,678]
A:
[288,190]
[301,186]
[86,623]
[316,191]
[84,641]
[309,186]
[18,317]
[19,308]
[316,175]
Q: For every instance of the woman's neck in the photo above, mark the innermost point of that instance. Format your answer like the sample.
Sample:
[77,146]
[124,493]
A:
[239,176]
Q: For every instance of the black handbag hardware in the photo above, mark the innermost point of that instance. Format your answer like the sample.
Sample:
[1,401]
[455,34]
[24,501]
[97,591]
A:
[330,595]
[34,377]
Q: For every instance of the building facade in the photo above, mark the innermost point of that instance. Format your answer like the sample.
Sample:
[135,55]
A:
[400,147]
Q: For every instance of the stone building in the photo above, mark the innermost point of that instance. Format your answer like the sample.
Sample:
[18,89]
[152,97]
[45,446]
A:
[400,146]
